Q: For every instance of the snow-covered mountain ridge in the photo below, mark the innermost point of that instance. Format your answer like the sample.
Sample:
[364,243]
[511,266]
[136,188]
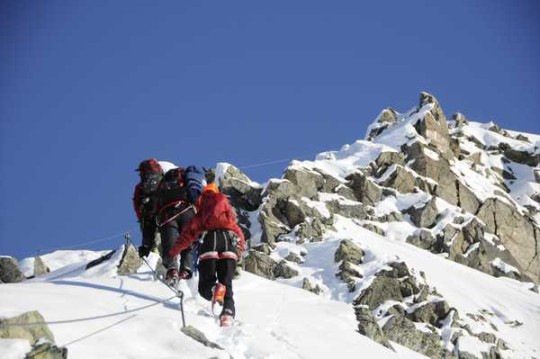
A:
[422,237]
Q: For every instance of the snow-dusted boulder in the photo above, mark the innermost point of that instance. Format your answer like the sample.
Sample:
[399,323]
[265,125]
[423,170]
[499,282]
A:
[260,264]
[10,271]
[424,215]
[364,189]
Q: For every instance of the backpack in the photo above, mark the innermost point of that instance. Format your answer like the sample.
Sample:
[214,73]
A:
[180,184]
[151,173]
[217,211]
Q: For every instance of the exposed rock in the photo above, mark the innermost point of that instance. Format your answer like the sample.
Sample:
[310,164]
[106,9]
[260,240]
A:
[516,232]
[400,179]
[280,189]
[433,126]
[390,217]
[238,187]
[199,336]
[130,261]
[272,221]
[403,331]
[466,198]
[310,287]
[426,215]
[347,209]
[397,270]
[432,313]
[438,170]
[263,248]
[260,264]
[331,183]
[460,119]
[100,260]
[387,159]
[364,189]
[307,182]
[380,290]
[311,230]
[349,251]
[347,192]
[294,213]
[385,119]
[284,270]
[367,325]
[295,258]
[422,238]
[523,157]
[348,273]
[10,271]
[30,326]
[40,267]
[374,228]
[47,350]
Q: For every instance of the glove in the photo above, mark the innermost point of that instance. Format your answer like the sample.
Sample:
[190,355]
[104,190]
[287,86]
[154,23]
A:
[144,251]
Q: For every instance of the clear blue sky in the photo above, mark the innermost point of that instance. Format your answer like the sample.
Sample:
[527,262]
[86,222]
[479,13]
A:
[90,88]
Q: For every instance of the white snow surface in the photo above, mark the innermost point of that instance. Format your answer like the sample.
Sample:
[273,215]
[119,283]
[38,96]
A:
[104,316]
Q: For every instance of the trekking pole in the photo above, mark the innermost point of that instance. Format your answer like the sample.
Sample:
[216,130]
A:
[179,293]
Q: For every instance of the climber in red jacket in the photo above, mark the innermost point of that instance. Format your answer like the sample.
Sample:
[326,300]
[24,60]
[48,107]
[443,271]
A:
[223,242]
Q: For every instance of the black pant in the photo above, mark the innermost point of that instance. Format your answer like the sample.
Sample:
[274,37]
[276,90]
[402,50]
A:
[216,259]
[169,234]
[148,229]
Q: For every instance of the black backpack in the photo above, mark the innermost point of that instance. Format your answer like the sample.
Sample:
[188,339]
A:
[172,188]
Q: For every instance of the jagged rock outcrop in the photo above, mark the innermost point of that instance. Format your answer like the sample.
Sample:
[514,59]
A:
[260,264]
[311,287]
[31,326]
[424,216]
[130,261]
[240,190]
[308,183]
[10,271]
[434,126]
[284,270]
[516,232]
[368,326]
[364,189]
[403,331]
[399,178]
[40,267]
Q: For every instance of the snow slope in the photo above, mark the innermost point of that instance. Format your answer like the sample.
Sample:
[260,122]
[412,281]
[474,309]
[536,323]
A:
[134,317]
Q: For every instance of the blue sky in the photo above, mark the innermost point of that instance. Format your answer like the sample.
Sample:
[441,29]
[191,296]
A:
[90,88]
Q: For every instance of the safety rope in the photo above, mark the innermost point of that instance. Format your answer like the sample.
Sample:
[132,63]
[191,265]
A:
[100,240]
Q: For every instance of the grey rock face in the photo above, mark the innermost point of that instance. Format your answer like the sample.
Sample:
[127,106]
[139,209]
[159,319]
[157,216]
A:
[284,270]
[516,232]
[47,351]
[307,285]
[346,209]
[130,261]
[364,189]
[380,290]
[400,179]
[466,198]
[237,186]
[39,267]
[387,159]
[434,127]
[260,264]
[367,325]
[311,230]
[424,216]
[349,251]
[374,228]
[432,313]
[307,182]
[263,248]
[348,273]
[422,239]
[295,258]
[387,117]
[523,157]
[10,271]
[403,331]
[30,326]
[272,222]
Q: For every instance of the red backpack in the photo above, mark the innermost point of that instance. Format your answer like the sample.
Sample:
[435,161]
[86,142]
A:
[217,211]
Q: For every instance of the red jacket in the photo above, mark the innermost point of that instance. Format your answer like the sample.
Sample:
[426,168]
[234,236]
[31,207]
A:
[137,205]
[214,212]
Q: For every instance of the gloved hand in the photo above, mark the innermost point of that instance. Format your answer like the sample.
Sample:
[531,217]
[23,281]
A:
[144,251]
